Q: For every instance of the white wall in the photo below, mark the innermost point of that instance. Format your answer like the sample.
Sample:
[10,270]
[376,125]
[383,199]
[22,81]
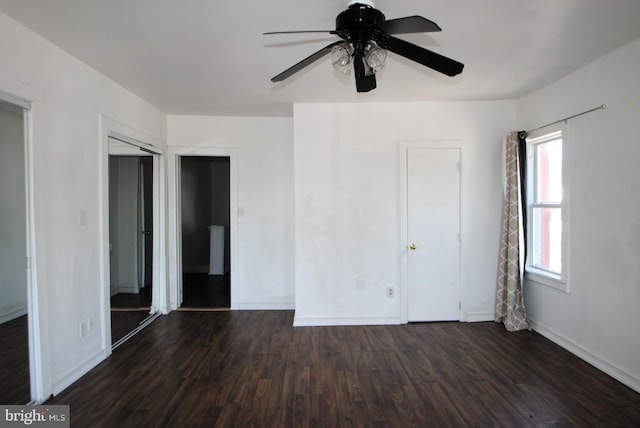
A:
[265,200]
[347,204]
[599,318]
[68,99]
[13,241]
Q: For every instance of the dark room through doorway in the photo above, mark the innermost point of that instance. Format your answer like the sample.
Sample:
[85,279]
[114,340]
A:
[205,202]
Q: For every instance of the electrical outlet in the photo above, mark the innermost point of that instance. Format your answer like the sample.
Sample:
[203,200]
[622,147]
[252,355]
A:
[391,292]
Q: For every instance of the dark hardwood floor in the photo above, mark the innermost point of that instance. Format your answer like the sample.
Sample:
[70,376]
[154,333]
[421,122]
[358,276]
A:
[128,310]
[15,385]
[201,290]
[124,322]
[252,368]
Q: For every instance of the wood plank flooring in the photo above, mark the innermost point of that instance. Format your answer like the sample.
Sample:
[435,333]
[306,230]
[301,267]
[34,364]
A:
[253,369]
[15,387]
[124,322]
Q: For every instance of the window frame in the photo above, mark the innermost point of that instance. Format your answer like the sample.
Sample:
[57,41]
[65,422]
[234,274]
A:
[533,273]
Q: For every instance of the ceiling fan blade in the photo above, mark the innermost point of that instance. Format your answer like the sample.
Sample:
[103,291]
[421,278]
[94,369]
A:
[299,32]
[409,24]
[365,81]
[421,55]
[305,62]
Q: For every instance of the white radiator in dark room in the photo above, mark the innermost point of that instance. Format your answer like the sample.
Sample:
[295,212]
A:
[216,250]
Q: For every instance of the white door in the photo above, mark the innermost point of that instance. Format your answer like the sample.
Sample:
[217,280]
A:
[433,227]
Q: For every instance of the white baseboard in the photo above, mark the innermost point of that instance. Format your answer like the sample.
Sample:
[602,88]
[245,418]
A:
[251,306]
[13,314]
[477,316]
[77,372]
[599,363]
[335,321]
[264,306]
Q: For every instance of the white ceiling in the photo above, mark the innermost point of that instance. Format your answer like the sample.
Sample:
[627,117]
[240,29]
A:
[210,57]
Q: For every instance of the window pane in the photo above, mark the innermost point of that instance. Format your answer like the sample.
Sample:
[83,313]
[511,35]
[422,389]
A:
[549,171]
[547,239]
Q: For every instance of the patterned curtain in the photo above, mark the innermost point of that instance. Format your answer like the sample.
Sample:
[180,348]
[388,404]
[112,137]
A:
[509,302]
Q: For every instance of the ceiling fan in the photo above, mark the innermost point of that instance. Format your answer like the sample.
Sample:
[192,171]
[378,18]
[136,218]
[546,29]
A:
[366,36]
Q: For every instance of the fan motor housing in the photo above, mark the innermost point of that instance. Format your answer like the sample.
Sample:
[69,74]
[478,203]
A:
[358,19]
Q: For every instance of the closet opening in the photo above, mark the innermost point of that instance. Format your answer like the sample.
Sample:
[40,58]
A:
[132,236]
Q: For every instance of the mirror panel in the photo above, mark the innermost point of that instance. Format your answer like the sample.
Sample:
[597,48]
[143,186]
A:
[130,236]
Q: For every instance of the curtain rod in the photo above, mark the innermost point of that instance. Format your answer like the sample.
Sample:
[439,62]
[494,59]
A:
[600,107]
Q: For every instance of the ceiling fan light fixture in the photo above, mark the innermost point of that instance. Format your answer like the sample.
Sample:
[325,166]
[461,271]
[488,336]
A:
[374,55]
[361,27]
[364,2]
[342,56]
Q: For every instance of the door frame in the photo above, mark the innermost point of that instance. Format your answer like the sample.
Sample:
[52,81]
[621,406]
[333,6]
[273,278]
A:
[175,218]
[403,149]
[110,128]
[25,97]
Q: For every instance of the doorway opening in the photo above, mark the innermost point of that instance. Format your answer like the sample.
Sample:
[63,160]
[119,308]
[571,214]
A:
[131,238]
[14,281]
[205,200]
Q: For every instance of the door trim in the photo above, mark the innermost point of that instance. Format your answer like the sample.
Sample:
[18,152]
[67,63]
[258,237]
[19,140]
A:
[403,148]
[25,97]
[175,219]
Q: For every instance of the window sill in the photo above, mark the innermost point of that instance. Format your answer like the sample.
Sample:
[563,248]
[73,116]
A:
[548,279]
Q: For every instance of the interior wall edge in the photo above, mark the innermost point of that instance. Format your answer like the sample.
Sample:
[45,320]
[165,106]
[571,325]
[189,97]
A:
[586,355]
[13,313]
[71,376]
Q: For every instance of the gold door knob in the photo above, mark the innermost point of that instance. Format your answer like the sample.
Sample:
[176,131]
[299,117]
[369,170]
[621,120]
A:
[412,246]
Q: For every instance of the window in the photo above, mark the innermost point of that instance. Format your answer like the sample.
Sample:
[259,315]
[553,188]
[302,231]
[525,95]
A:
[546,210]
